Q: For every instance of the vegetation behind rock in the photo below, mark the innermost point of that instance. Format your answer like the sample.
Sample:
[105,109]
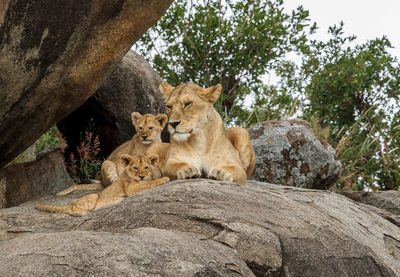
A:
[349,92]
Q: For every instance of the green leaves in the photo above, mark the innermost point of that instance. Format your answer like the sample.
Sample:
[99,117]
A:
[228,42]
[355,91]
[350,90]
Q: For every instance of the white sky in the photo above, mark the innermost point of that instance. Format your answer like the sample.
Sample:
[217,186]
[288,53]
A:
[367,19]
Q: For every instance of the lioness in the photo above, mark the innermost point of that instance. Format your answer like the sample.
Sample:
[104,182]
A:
[135,178]
[148,128]
[200,145]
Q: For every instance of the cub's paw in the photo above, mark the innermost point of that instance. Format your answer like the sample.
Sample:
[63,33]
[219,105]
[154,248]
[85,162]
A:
[165,179]
[111,178]
[187,172]
[219,174]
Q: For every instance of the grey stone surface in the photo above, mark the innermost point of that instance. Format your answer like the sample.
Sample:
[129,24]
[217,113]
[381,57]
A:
[55,54]
[274,230]
[288,153]
[46,175]
[386,200]
[142,252]
[131,87]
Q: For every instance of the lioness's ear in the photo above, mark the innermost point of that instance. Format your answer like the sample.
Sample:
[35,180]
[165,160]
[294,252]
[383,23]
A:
[135,117]
[153,158]
[126,159]
[166,89]
[162,119]
[211,94]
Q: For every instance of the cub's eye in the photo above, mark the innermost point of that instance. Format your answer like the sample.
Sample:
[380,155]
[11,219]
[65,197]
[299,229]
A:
[140,128]
[150,128]
[146,167]
[188,104]
[169,107]
[135,168]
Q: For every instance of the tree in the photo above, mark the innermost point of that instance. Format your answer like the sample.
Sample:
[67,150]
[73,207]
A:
[342,82]
[355,91]
[350,91]
[233,43]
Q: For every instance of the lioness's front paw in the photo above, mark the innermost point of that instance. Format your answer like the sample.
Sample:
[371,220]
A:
[220,175]
[187,173]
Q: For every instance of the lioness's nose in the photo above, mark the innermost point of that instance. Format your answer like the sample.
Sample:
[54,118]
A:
[174,123]
[142,177]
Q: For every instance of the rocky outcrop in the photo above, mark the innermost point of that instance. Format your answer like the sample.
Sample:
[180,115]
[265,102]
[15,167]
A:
[3,199]
[142,252]
[386,200]
[25,181]
[132,86]
[54,55]
[288,153]
[205,228]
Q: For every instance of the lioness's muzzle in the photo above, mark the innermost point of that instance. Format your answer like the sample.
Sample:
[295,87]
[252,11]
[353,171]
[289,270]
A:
[174,124]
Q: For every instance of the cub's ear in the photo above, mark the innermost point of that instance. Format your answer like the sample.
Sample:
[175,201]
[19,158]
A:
[135,117]
[153,158]
[166,89]
[126,159]
[162,119]
[211,94]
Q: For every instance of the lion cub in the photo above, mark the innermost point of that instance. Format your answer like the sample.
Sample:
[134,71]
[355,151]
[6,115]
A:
[135,178]
[148,128]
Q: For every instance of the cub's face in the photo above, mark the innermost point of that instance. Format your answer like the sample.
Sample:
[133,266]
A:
[148,126]
[187,107]
[139,167]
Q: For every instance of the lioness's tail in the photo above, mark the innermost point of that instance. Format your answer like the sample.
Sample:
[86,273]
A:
[55,209]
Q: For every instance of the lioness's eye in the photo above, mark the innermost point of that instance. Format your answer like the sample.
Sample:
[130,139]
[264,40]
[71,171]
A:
[140,128]
[150,128]
[188,104]
[135,168]
[169,107]
[146,167]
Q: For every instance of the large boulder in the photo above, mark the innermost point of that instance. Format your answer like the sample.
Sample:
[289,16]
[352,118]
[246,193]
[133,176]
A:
[268,229]
[289,153]
[24,181]
[55,54]
[131,86]
[142,252]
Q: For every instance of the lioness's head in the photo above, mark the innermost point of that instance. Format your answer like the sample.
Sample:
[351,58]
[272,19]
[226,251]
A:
[139,167]
[187,107]
[148,126]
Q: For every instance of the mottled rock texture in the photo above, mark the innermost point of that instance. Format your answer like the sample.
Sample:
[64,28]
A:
[141,252]
[55,54]
[44,176]
[166,231]
[288,153]
[131,87]
[3,188]
[386,200]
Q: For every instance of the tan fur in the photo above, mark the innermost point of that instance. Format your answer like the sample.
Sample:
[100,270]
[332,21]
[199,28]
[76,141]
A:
[240,139]
[148,128]
[161,149]
[200,146]
[135,178]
